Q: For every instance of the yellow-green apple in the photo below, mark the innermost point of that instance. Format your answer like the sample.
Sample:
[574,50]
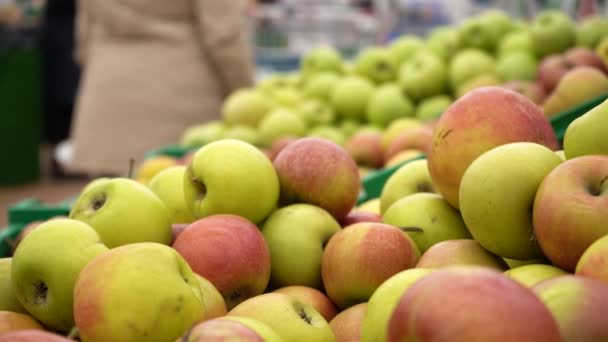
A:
[602,50]
[565,226]
[230,252]
[231,329]
[512,263]
[8,300]
[24,232]
[360,257]
[411,178]
[13,321]
[316,113]
[387,104]
[376,64]
[349,126]
[396,127]
[403,156]
[585,135]
[593,262]
[467,64]
[213,301]
[286,97]
[313,297]
[244,133]
[370,206]
[478,81]
[427,218]
[202,134]
[137,292]
[231,177]
[291,319]
[579,305]
[591,30]
[561,154]
[321,59]
[532,274]
[384,300]
[498,22]
[358,216]
[476,33]
[423,75]
[319,86]
[150,167]
[366,149]
[581,56]
[417,138]
[432,107]
[578,85]
[443,41]
[33,336]
[468,303]
[123,211]
[246,106]
[279,123]
[46,265]
[347,324]
[517,65]
[296,235]
[504,224]
[552,31]
[350,96]
[460,252]
[271,83]
[477,122]
[532,90]
[168,185]
[515,41]
[331,133]
[319,172]
[405,47]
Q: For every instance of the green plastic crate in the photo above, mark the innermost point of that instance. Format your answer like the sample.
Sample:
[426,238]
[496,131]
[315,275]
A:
[175,151]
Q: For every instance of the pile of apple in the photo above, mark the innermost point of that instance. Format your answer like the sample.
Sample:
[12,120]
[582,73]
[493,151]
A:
[499,235]
[362,104]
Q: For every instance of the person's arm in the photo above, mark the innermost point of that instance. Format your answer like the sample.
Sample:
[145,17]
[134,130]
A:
[82,24]
[223,39]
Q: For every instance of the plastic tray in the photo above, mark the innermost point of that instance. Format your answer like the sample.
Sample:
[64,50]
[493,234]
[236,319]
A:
[176,151]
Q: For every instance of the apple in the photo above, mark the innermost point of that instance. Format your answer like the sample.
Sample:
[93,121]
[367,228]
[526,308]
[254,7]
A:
[477,122]
[551,69]
[579,305]
[291,319]
[33,336]
[476,33]
[552,31]
[404,48]
[504,224]
[321,59]
[591,31]
[513,263]
[8,300]
[320,85]
[45,267]
[443,41]
[316,113]
[384,300]
[244,133]
[359,258]
[213,301]
[347,324]
[231,329]
[296,235]
[396,127]
[279,123]
[151,167]
[269,84]
[366,149]
[478,81]
[515,41]
[318,172]
[402,157]
[532,90]
[517,65]
[376,64]
[349,126]
[565,226]
[330,133]
[123,211]
[530,275]
[387,104]
[581,56]
[279,144]
[286,97]
[432,107]
[419,138]
[350,97]
[468,303]
[427,219]
[413,177]
[467,64]
[13,321]
[584,135]
[313,297]
[370,206]
[592,262]
[246,106]
[358,216]
[231,177]
[422,76]
[578,85]
[460,252]
[230,252]
[168,185]
[203,134]
[134,292]
[24,232]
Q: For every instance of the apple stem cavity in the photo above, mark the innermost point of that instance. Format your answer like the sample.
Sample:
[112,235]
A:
[412,229]
[304,316]
[41,291]
[98,202]
[202,189]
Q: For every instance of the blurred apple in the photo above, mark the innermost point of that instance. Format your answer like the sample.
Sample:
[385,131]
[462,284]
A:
[151,167]
[8,300]
[552,31]
[366,149]
[530,275]
[213,301]
[279,144]
[602,50]
[350,97]
[370,206]
[422,76]
[349,126]
[443,41]
[476,33]
[411,178]
[357,216]
[460,252]
[13,321]
[432,107]
[591,31]
[200,135]
[271,83]
[313,297]
[517,65]
[280,123]
[396,127]
[404,47]
[387,104]
[478,81]
[592,262]
[581,56]
[320,85]
[515,41]
[246,106]
[533,91]
[376,64]
[418,138]
[287,97]
[316,113]
[551,69]
[321,59]
[244,133]
[33,336]
[231,329]
[347,324]
[586,134]
[330,133]
[168,185]
[467,64]
[402,157]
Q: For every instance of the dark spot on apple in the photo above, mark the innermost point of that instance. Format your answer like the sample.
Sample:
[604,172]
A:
[424,187]
[303,315]
[446,133]
[412,229]
[201,189]
[237,296]
[98,201]
[433,219]
[41,292]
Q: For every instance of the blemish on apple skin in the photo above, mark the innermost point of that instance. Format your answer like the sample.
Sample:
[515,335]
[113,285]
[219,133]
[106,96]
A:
[445,134]
[41,292]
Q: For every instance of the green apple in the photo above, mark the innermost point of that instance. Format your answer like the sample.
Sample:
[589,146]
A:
[422,76]
[246,106]
[330,133]
[350,97]
[591,264]
[200,135]
[478,81]
[585,135]
[8,300]
[45,267]
[291,319]
[427,219]
[376,64]
[591,31]
[460,252]
[513,263]
[552,31]
[244,133]
[287,97]
[153,165]
[346,326]
[498,22]
[517,65]
[134,292]
[432,107]
[477,34]
[123,211]
[384,300]
[387,104]
[516,41]
[404,47]
[270,84]
[349,126]
[279,123]
[443,41]
[13,321]
[214,303]
[530,275]
[467,64]
[296,235]
[320,59]
[411,178]
[231,177]
[503,224]
[231,329]
[320,85]
[316,113]
[168,185]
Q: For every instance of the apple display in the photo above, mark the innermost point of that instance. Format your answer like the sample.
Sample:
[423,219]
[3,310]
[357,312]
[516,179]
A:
[330,133]
[321,59]
[418,138]
[151,167]
[532,90]
[358,216]
[316,113]
[477,81]
[244,133]
[396,127]
[33,336]
[405,47]
[515,41]
[203,134]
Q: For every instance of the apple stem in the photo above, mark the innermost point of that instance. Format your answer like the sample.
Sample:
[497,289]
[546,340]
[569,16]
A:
[74,333]
[412,229]
[131,167]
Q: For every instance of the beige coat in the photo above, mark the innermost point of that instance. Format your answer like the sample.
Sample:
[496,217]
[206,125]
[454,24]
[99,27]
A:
[152,68]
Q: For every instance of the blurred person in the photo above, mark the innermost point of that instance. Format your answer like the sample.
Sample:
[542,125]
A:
[151,69]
